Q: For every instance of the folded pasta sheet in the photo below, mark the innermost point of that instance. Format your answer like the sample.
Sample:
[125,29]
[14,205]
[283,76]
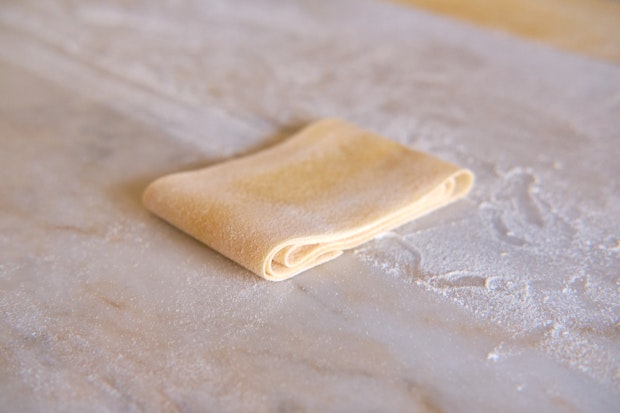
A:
[300,203]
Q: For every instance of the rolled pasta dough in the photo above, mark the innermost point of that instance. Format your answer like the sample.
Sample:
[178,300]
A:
[300,203]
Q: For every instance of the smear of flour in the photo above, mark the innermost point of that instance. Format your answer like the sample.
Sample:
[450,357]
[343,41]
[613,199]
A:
[527,259]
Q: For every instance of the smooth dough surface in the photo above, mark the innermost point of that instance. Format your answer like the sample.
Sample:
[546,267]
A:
[300,203]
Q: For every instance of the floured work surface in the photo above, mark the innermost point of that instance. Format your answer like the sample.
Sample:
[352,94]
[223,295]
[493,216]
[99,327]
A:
[331,187]
[505,301]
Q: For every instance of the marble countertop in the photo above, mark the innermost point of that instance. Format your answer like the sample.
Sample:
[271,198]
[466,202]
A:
[505,301]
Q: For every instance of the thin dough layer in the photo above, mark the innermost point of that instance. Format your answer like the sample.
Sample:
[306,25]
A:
[330,187]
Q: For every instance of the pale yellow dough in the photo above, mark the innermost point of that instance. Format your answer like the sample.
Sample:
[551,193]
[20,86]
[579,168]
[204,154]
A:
[298,204]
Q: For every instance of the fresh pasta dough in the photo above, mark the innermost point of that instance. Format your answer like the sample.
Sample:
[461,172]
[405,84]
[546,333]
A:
[298,204]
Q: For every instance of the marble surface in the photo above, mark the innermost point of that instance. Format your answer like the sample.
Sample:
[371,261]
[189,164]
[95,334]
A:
[506,301]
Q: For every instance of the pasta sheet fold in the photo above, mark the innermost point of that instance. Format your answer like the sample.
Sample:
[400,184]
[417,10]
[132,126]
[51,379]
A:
[330,187]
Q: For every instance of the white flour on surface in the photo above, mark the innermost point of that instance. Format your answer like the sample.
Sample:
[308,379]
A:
[535,248]
[548,277]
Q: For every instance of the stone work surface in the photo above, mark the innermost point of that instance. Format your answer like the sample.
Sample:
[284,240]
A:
[505,301]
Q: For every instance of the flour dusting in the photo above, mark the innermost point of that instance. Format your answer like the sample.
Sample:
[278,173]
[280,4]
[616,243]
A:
[531,260]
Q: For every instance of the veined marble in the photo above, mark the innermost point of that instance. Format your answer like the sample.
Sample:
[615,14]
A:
[507,301]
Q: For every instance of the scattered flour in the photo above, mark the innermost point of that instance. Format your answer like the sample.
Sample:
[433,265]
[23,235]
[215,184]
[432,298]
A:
[516,258]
